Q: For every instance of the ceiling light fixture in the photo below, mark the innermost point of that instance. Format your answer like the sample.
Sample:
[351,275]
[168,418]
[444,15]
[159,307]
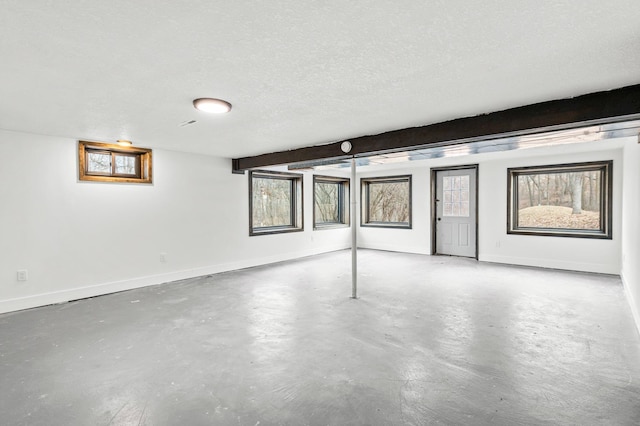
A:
[124,142]
[212,105]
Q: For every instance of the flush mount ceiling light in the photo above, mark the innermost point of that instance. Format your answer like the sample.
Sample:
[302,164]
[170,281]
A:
[211,105]
[124,142]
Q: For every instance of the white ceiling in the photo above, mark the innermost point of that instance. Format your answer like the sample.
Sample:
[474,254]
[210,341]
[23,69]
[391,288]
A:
[298,73]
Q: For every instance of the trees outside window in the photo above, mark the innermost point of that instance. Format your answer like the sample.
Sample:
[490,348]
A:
[571,200]
[101,162]
[330,202]
[386,202]
[275,202]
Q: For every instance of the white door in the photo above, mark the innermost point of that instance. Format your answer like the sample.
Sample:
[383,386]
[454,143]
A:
[456,212]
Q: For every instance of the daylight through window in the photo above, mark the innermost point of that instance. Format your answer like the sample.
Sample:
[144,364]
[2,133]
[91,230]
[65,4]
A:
[275,202]
[571,200]
[330,202]
[114,163]
[386,202]
[455,190]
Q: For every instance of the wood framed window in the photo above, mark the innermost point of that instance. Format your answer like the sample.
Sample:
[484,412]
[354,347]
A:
[102,162]
[275,202]
[386,202]
[564,200]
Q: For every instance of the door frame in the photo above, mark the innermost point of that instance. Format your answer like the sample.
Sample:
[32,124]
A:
[434,221]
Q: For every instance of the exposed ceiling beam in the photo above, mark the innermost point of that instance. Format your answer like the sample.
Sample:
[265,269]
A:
[592,109]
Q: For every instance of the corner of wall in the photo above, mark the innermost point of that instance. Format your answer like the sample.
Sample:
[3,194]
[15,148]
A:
[631,300]
[630,270]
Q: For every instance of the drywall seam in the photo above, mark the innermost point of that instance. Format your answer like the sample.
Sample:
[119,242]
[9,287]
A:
[50,298]
[631,300]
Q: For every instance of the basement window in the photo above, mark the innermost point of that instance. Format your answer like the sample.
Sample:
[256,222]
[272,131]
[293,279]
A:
[275,202]
[330,202]
[386,202]
[565,200]
[101,162]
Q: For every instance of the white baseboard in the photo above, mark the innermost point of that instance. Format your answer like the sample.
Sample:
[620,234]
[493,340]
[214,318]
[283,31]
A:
[633,303]
[61,296]
[599,268]
[394,247]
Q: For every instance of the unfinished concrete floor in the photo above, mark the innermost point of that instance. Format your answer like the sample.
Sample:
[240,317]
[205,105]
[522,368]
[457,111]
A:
[432,340]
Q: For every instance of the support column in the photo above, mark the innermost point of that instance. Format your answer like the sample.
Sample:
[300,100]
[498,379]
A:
[354,232]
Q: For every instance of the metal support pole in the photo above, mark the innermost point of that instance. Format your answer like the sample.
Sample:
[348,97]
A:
[354,232]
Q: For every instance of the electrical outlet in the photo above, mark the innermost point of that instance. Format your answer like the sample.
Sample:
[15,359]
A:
[23,275]
[163,257]
[498,244]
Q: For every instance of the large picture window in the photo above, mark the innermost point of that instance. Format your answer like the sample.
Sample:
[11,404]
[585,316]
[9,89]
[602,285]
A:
[330,202]
[386,202]
[567,200]
[275,202]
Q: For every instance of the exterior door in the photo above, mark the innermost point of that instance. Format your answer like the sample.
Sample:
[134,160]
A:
[455,212]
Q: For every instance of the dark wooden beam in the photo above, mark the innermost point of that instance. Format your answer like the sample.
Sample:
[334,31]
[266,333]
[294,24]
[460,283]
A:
[595,108]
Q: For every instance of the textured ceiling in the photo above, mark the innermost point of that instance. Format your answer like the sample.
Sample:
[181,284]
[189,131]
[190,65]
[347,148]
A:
[298,73]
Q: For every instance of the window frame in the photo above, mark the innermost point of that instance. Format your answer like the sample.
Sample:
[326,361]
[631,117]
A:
[143,158]
[344,216]
[606,196]
[364,202]
[296,203]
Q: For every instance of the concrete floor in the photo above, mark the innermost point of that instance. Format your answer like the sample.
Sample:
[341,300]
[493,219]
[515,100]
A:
[432,340]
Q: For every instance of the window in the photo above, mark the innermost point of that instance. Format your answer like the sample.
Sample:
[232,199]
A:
[330,202]
[386,202]
[275,202]
[455,190]
[566,200]
[113,163]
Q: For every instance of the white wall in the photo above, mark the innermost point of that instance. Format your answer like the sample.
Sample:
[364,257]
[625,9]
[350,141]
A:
[495,245]
[579,254]
[631,230]
[414,240]
[81,239]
